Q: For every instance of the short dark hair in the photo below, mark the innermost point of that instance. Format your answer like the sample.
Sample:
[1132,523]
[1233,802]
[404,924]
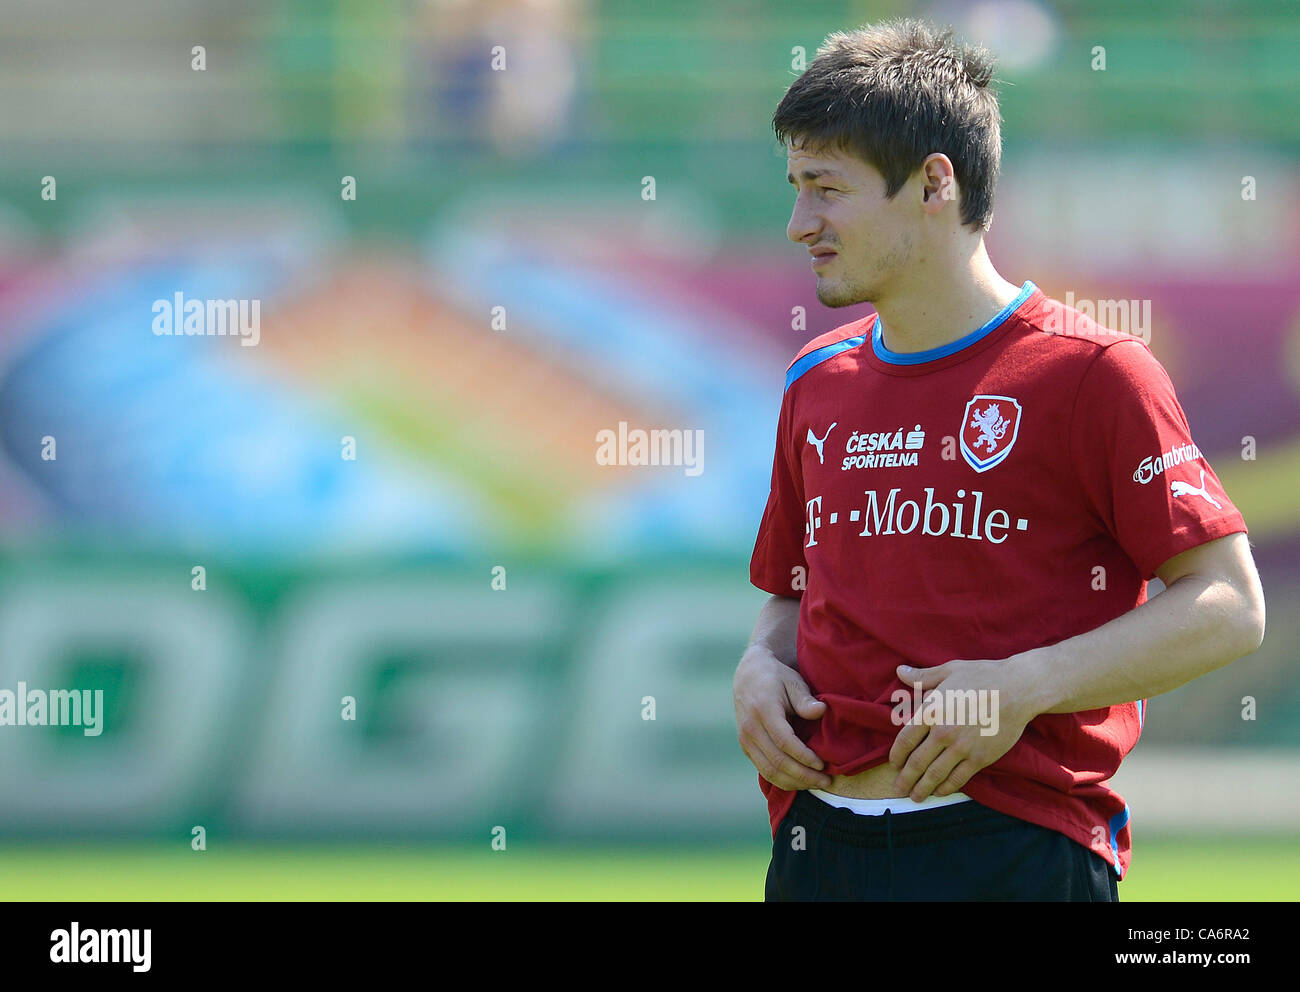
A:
[893,93]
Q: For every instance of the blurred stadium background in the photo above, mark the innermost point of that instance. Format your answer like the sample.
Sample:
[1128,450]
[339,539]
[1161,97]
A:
[500,290]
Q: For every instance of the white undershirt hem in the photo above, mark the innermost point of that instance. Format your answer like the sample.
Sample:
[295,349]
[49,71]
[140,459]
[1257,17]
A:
[877,807]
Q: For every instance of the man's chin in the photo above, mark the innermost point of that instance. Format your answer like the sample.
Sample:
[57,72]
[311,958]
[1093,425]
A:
[837,296]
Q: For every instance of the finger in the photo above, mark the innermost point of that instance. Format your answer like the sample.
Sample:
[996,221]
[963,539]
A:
[779,729]
[757,745]
[957,778]
[804,776]
[906,742]
[809,708]
[781,769]
[927,677]
[916,765]
[801,700]
[940,768]
[760,760]
[760,751]
[795,781]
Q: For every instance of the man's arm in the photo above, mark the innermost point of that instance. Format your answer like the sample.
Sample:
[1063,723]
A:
[1211,613]
[776,629]
[767,690]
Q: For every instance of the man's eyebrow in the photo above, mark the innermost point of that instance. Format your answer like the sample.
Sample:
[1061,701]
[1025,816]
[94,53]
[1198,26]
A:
[808,175]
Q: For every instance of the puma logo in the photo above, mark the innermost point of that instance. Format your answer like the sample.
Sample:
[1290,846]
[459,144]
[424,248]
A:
[817,442]
[1179,488]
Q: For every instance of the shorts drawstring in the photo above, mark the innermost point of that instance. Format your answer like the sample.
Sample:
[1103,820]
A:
[889,844]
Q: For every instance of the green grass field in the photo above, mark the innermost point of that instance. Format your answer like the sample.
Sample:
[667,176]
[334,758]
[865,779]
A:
[1169,869]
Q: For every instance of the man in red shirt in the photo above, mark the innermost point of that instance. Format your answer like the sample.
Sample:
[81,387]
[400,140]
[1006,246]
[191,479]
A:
[970,491]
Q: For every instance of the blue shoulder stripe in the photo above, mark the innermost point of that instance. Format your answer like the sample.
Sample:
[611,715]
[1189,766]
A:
[822,354]
[1116,825]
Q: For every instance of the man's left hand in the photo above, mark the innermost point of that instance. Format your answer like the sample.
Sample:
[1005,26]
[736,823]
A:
[938,758]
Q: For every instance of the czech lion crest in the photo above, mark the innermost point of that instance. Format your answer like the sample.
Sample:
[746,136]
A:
[988,430]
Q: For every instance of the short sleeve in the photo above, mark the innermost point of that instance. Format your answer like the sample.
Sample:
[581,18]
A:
[1141,472]
[778,550]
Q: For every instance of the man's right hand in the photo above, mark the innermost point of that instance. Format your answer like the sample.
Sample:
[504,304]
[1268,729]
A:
[766,694]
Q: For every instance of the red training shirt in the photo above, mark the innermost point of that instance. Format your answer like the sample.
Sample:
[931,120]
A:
[1007,491]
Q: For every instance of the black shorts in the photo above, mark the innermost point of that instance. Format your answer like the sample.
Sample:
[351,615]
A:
[959,852]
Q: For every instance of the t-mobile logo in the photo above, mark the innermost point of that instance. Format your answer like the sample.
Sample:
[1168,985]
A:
[814,520]
[965,515]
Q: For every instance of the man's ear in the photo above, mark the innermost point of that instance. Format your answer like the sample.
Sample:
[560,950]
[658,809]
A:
[939,181]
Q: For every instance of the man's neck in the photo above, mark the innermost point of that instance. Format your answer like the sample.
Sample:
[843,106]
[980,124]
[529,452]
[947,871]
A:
[932,317]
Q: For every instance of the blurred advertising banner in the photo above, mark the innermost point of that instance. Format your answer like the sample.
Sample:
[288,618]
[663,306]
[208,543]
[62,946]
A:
[388,700]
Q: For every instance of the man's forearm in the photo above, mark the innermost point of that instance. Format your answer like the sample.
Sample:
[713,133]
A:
[1192,628]
[776,628]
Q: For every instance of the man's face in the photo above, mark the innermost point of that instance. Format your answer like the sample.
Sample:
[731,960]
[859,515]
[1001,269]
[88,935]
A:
[840,205]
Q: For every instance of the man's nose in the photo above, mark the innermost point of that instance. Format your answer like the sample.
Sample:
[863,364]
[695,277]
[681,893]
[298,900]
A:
[803,223]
